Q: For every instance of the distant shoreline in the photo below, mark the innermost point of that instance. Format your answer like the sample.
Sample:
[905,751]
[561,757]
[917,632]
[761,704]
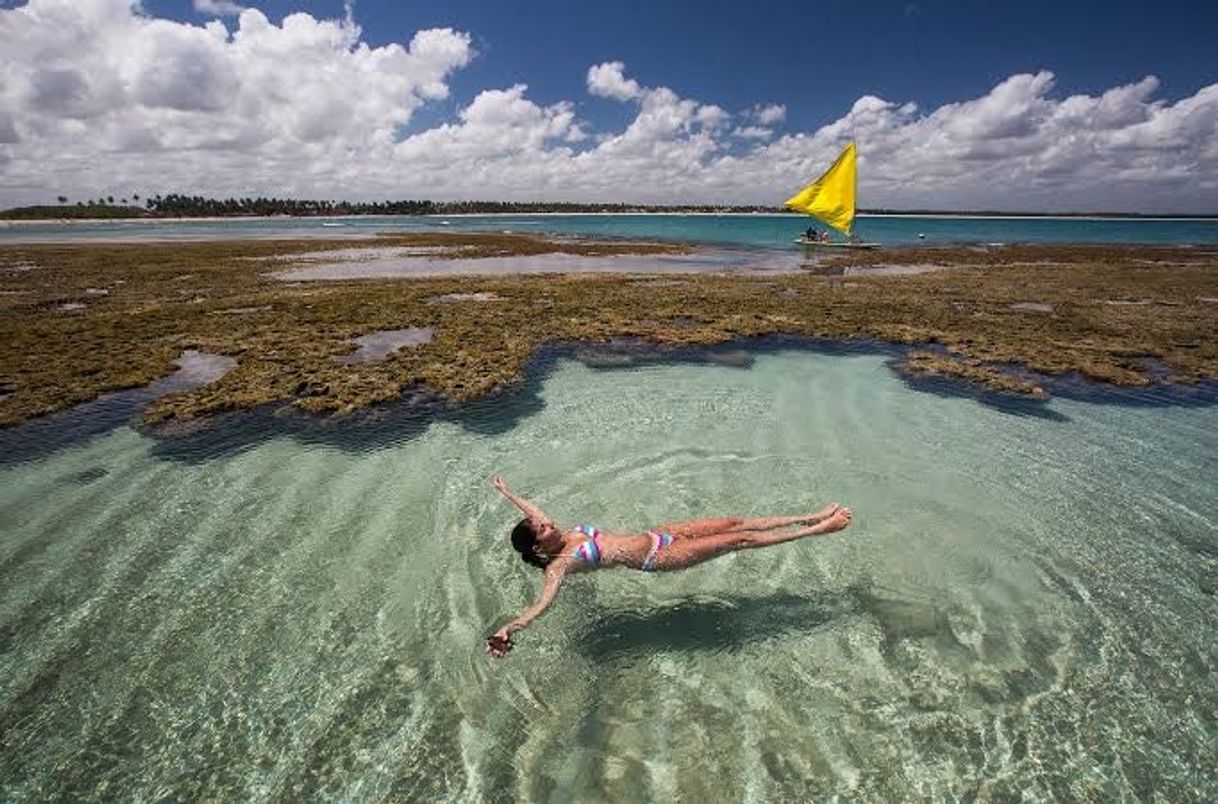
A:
[6,223]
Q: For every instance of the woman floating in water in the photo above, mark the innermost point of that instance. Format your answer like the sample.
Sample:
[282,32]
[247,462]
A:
[675,546]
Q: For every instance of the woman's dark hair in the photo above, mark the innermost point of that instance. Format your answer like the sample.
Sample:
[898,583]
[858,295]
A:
[524,541]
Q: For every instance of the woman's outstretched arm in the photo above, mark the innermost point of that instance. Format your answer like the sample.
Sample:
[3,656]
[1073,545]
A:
[501,641]
[529,509]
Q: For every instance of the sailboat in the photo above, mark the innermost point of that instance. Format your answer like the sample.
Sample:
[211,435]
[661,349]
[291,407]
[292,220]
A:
[830,199]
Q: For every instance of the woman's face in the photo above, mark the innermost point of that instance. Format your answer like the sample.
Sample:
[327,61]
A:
[548,534]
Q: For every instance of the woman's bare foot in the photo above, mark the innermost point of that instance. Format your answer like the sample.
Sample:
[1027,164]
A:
[823,514]
[838,520]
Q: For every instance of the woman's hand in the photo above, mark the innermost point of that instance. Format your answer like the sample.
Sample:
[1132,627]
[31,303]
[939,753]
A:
[499,643]
[527,508]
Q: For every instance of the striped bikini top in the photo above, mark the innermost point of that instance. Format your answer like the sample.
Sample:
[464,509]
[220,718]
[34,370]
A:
[590,551]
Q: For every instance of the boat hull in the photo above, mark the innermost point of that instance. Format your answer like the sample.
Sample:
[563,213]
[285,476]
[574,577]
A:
[816,244]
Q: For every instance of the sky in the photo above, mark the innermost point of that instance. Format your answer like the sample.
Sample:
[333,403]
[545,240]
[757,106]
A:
[1023,106]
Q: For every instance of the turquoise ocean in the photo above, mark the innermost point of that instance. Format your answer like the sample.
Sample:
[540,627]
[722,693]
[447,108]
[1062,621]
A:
[284,608]
[751,231]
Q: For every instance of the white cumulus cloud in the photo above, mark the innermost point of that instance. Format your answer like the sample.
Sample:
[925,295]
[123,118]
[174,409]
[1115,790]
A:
[753,133]
[101,95]
[608,80]
[769,114]
[218,7]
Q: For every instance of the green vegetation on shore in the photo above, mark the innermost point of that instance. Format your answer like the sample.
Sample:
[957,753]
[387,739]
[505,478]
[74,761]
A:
[72,212]
[183,206]
[176,205]
[80,320]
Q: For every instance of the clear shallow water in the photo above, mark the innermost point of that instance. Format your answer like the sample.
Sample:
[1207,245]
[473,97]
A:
[754,231]
[1018,609]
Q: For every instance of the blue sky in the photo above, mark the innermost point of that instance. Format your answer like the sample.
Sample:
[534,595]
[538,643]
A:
[1014,105]
[816,58]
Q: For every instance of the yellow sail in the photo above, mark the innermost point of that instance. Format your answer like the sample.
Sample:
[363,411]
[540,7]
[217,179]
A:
[831,197]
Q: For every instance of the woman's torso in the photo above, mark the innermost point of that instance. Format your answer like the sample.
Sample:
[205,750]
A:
[591,548]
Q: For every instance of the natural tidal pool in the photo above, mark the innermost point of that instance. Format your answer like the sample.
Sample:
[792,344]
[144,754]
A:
[1024,605]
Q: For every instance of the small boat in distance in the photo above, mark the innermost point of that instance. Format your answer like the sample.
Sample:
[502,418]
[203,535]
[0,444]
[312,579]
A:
[830,199]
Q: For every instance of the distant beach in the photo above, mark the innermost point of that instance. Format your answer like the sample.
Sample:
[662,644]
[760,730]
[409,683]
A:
[4,223]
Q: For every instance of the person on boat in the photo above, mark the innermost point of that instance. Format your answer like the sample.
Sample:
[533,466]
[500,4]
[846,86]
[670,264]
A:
[811,235]
[557,552]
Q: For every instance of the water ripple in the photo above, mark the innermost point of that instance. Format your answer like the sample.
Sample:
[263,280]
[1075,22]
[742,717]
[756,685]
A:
[1019,609]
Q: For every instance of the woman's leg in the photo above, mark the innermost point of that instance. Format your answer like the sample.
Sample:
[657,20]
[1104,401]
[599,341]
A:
[701,528]
[688,552]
